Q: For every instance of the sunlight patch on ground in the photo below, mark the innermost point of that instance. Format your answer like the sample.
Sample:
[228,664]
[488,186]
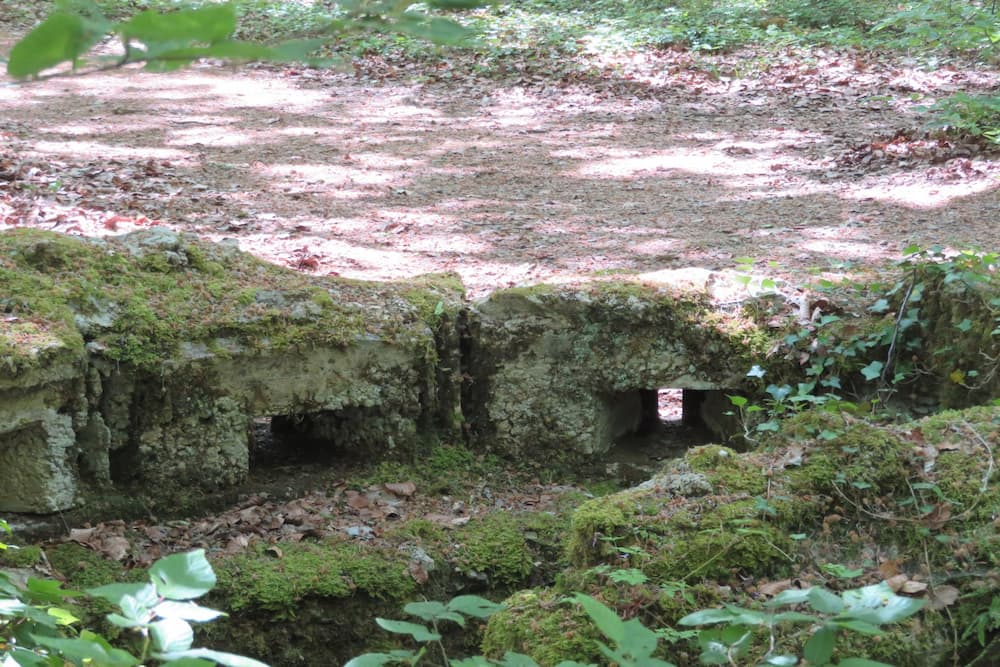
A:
[847,249]
[656,247]
[214,135]
[95,149]
[449,242]
[715,163]
[331,174]
[924,194]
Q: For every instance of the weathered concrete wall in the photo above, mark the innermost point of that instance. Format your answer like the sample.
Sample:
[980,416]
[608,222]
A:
[138,364]
[150,389]
[563,368]
[40,412]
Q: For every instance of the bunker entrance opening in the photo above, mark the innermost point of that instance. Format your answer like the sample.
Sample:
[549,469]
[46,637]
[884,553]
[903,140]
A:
[663,422]
[280,440]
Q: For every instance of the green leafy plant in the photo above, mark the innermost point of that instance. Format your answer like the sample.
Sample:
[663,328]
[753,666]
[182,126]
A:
[959,26]
[432,613]
[633,644]
[964,114]
[37,629]
[862,610]
[168,41]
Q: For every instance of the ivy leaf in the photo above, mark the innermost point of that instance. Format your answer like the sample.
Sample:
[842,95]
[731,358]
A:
[171,635]
[605,619]
[60,38]
[872,370]
[880,306]
[214,658]
[475,606]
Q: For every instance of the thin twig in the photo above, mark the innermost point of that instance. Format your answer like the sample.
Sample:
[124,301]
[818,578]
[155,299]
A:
[989,451]
[895,331]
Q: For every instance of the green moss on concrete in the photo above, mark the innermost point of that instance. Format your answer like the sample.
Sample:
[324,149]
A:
[596,524]
[852,457]
[493,547]
[539,624]
[435,295]
[278,580]
[738,545]
[728,471]
[137,303]
[964,467]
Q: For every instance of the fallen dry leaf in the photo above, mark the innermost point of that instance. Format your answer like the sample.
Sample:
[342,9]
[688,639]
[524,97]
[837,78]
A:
[896,582]
[912,586]
[115,547]
[772,588]
[403,489]
[942,596]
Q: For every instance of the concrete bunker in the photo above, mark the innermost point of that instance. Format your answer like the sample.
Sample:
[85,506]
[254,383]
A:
[178,359]
[575,368]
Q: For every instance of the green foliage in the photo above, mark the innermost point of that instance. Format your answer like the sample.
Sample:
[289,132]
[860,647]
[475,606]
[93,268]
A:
[631,644]
[38,630]
[862,610]
[168,41]
[930,24]
[964,114]
[432,613]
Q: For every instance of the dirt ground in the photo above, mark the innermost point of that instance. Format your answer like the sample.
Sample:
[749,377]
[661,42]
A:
[665,160]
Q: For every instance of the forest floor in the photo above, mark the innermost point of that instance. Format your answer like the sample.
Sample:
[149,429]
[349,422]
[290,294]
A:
[808,160]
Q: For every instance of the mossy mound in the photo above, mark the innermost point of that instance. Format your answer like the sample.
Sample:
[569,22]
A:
[542,623]
[914,505]
[277,580]
[136,299]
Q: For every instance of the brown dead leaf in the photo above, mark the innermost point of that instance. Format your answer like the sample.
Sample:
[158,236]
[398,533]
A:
[274,550]
[356,500]
[772,588]
[938,516]
[791,457]
[236,544]
[942,596]
[417,571]
[911,587]
[897,582]
[82,535]
[402,489]
[114,547]
[889,568]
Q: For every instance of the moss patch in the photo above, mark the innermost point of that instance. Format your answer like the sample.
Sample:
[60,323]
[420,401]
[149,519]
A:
[84,568]
[729,472]
[136,298]
[538,623]
[493,548]
[14,556]
[277,580]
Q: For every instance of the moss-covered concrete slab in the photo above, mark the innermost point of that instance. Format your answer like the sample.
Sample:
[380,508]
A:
[140,361]
[562,368]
